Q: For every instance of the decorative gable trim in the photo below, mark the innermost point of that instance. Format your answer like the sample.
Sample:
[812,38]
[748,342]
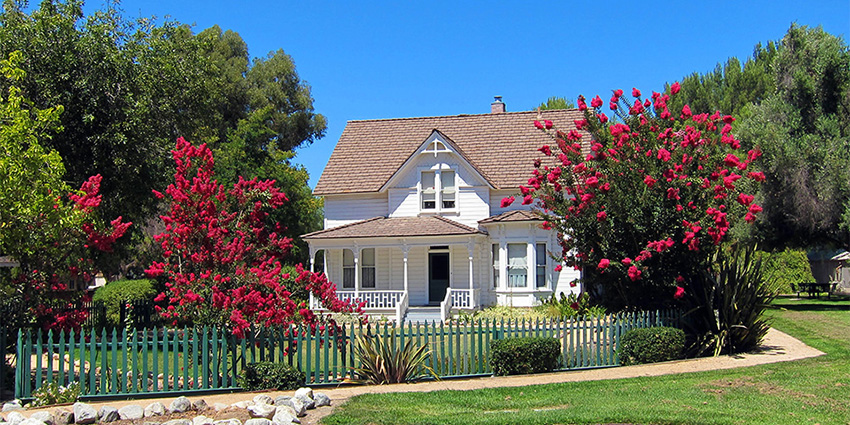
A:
[423,148]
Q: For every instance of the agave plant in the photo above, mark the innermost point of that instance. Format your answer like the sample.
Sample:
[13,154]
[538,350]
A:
[382,361]
[730,301]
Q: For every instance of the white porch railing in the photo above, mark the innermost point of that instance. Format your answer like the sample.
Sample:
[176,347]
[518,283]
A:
[446,306]
[401,308]
[458,298]
[464,298]
[374,299]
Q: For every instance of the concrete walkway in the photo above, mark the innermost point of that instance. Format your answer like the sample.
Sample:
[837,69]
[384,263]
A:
[776,347]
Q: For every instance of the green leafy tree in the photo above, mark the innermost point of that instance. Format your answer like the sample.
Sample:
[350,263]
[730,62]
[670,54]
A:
[54,236]
[803,128]
[556,102]
[130,88]
[792,98]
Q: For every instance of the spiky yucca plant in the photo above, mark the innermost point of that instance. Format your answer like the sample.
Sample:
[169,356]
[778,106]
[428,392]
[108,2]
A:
[730,301]
[382,361]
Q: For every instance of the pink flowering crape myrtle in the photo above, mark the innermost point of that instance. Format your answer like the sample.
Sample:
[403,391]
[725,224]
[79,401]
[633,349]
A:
[647,198]
[222,258]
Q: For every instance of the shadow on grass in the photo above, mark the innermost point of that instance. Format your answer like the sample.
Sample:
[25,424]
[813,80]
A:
[840,304]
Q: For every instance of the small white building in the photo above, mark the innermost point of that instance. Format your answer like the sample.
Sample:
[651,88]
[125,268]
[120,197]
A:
[413,215]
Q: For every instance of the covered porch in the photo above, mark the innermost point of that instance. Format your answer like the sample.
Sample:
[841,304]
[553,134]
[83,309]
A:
[393,264]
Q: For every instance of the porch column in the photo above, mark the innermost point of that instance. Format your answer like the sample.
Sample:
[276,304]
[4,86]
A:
[356,271]
[470,248]
[312,260]
[405,249]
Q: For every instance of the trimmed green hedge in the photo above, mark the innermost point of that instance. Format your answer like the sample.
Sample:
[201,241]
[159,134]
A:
[267,376]
[650,345]
[119,291]
[516,356]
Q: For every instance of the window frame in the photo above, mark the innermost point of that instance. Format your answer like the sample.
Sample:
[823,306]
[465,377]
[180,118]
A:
[368,269]
[348,270]
[439,190]
[514,269]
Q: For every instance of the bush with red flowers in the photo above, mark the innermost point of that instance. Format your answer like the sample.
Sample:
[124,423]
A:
[222,256]
[643,203]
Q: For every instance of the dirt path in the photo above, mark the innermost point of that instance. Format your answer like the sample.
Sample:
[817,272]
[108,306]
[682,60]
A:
[776,347]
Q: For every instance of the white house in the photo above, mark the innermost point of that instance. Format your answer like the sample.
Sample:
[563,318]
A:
[413,216]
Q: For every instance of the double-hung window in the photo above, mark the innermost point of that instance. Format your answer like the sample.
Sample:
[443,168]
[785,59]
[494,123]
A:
[517,265]
[496,265]
[438,190]
[367,268]
[447,189]
[429,190]
[348,268]
[541,264]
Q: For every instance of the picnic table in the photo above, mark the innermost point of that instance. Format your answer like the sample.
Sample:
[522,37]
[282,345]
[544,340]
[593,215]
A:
[814,289]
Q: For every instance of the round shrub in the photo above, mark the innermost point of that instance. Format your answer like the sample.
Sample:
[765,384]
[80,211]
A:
[523,355]
[650,345]
[120,291]
[268,375]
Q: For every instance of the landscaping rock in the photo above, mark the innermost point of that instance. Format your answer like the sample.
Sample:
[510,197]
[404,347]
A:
[284,415]
[263,399]
[154,409]
[304,392]
[63,417]
[15,417]
[178,422]
[131,412]
[200,405]
[261,410]
[228,422]
[32,421]
[242,404]
[258,421]
[84,414]
[108,414]
[45,417]
[151,423]
[202,420]
[321,399]
[12,406]
[308,402]
[180,405]
[281,400]
[220,406]
[297,405]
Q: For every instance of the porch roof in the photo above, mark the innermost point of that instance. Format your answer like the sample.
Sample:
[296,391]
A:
[512,216]
[396,227]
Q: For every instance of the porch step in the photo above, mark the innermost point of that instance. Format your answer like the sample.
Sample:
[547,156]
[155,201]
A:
[422,315]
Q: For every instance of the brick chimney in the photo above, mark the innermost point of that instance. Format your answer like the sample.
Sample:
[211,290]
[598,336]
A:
[497,107]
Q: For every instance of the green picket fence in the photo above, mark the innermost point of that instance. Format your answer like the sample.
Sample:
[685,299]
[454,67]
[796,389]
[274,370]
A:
[147,361]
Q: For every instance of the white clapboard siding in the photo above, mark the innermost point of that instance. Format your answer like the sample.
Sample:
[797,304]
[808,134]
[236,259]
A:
[344,209]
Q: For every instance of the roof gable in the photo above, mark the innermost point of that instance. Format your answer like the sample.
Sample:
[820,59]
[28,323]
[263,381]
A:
[426,148]
[501,147]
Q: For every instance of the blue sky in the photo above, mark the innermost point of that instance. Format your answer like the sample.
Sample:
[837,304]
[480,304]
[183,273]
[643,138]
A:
[383,59]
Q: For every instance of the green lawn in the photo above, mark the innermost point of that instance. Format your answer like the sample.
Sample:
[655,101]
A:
[802,392]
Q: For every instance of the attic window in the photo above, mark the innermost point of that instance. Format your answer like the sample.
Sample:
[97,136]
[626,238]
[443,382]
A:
[436,147]
[438,190]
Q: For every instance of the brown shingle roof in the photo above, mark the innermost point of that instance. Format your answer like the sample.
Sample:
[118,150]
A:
[516,215]
[501,146]
[395,227]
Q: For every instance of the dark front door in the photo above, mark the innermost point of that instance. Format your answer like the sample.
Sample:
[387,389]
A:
[438,276]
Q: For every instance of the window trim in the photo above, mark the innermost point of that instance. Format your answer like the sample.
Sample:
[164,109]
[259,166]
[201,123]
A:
[364,268]
[352,268]
[439,189]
